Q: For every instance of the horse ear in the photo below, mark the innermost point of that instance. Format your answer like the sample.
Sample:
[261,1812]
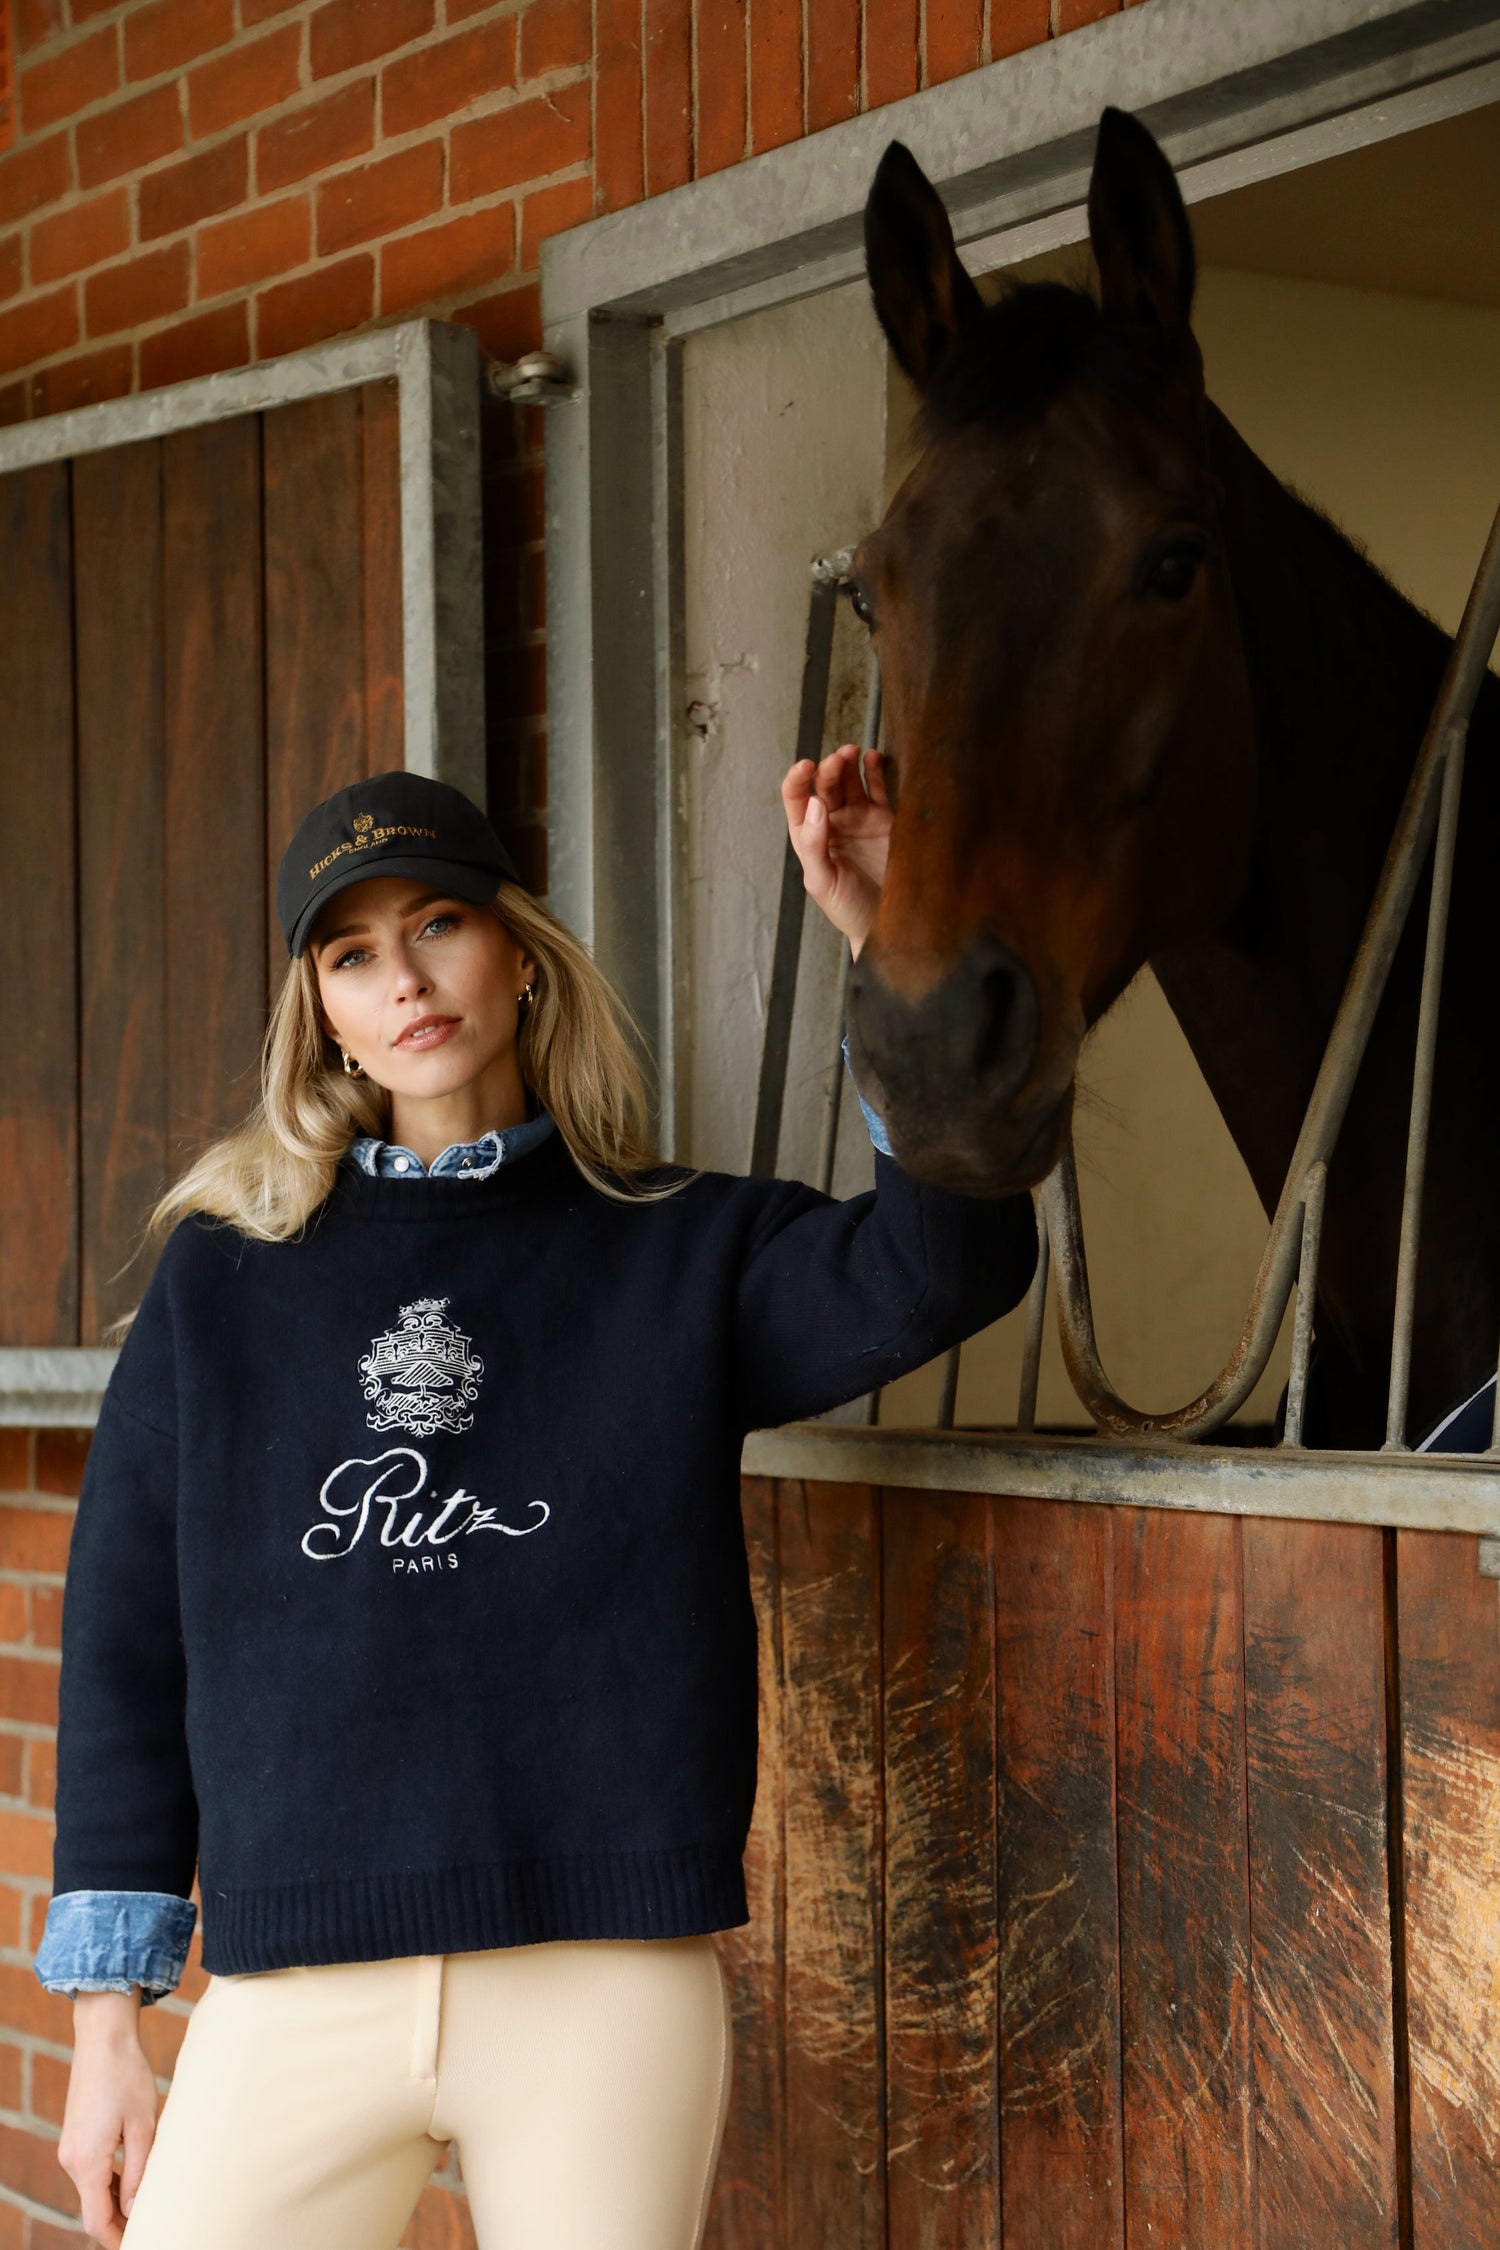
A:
[1138,225]
[923,297]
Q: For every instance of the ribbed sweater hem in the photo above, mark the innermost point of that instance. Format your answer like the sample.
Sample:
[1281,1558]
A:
[680,1892]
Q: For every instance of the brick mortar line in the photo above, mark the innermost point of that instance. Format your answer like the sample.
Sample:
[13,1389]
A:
[146,332]
[242,42]
[45,2211]
[502,101]
[36,2043]
[142,332]
[43,2127]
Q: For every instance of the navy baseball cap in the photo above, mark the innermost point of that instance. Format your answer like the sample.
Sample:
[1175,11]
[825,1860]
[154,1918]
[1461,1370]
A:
[395,823]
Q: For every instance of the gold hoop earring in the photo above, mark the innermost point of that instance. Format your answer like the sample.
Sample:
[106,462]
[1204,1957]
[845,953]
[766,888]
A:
[357,1072]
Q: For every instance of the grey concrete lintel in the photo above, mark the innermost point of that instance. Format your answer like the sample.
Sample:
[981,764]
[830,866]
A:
[1014,138]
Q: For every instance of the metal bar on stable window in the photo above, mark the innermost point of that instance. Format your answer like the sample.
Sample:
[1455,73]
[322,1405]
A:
[1036,1315]
[1331,1093]
[1421,1089]
[833,1096]
[1307,1290]
[781,1000]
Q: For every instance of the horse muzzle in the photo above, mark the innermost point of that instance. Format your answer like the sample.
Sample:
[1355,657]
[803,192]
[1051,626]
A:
[946,1069]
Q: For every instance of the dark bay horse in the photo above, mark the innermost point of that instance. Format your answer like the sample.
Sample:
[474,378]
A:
[1146,704]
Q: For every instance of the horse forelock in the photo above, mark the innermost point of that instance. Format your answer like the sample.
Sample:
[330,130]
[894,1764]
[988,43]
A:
[1038,338]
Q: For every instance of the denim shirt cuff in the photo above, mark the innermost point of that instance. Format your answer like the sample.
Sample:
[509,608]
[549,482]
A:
[108,1941]
[875,1123]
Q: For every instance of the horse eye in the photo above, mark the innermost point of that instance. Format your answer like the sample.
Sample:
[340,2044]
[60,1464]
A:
[857,602]
[1173,572]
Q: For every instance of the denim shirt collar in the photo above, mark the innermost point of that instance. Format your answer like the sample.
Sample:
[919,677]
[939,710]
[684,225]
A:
[466,1160]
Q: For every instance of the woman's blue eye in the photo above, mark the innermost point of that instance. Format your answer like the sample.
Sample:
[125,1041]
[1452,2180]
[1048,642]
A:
[354,950]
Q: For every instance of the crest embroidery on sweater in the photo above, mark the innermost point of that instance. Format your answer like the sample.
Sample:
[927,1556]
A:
[421,1373]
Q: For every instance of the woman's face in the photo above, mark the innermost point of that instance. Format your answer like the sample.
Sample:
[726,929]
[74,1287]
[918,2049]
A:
[390,954]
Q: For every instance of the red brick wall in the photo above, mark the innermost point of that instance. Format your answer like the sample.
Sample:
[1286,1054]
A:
[195,184]
[7,80]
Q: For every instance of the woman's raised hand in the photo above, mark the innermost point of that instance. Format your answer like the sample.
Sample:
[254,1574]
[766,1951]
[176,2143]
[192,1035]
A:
[841,836]
[111,2101]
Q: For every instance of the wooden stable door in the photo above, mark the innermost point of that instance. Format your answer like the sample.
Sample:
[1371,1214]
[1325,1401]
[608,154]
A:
[202,636]
[1118,1877]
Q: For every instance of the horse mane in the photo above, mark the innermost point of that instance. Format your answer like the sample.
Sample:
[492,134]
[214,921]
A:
[1026,347]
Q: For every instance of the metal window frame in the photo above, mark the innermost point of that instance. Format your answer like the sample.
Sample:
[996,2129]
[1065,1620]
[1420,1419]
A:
[1234,95]
[436,366]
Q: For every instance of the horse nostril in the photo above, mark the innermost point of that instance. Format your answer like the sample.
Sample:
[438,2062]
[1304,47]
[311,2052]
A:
[976,1031]
[1005,1018]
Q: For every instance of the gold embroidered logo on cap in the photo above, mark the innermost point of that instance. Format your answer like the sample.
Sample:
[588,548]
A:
[369,834]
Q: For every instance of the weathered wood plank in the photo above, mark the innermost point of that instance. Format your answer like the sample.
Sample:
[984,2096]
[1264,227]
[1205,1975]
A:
[215,780]
[313,456]
[122,957]
[748,2209]
[1184,1918]
[380,434]
[943,2177]
[1450,1708]
[1061,2156]
[38,884]
[1319,1901]
[830,1642]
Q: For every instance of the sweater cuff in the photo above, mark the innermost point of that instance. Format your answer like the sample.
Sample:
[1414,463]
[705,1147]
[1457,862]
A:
[875,1123]
[109,1941]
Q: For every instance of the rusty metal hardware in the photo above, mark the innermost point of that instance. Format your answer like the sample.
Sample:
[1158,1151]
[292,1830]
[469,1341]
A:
[535,379]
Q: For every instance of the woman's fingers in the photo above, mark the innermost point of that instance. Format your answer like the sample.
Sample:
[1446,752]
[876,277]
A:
[838,777]
[95,2182]
[874,779]
[807,824]
[140,2132]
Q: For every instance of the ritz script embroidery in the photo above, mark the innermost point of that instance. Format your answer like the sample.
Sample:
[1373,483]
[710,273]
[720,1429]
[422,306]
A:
[400,1475]
[420,1376]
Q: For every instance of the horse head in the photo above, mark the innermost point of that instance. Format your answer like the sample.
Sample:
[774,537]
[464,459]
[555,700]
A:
[1067,719]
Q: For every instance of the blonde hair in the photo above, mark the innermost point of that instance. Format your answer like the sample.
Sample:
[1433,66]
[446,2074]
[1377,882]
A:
[577,1045]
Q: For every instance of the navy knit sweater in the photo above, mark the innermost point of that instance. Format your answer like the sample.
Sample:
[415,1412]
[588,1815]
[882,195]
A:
[408,1595]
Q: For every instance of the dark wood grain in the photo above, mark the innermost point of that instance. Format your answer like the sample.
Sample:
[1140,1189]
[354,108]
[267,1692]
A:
[943,2176]
[1184,1911]
[1319,1904]
[380,547]
[38,887]
[1450,1701]
[216,904]
[1061,2156]
[314,616]
[832,1785]
[121,870]
[748,2209]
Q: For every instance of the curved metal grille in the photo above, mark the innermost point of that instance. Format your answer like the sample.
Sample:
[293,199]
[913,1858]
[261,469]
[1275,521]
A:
[1428,820]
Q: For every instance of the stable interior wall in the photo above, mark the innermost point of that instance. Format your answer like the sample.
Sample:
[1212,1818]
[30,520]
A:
[784,457]
[1377,404]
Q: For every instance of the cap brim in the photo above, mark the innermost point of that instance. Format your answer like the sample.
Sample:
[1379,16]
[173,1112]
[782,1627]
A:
[477,885]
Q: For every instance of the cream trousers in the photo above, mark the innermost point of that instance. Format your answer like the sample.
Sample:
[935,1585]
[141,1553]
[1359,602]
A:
[585,2082]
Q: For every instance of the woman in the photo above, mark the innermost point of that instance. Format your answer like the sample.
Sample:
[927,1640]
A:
[407,1599]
